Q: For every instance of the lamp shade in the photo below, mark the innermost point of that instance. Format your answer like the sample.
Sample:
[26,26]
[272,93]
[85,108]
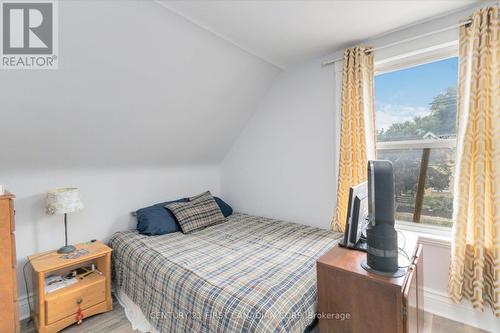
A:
[62,201]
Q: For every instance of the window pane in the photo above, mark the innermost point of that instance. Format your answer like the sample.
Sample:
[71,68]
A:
[437,207]
[417,102]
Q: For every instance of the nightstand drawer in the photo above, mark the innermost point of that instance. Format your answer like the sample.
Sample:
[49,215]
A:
[64,302]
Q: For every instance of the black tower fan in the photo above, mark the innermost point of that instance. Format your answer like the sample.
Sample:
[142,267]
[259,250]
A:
[381,237]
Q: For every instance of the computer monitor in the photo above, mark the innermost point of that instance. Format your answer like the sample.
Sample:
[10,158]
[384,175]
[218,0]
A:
[356,220]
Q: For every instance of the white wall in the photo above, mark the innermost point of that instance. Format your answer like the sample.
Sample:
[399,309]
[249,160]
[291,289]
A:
[109,195]
[283,164]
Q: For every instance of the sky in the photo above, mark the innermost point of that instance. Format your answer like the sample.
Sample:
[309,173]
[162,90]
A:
[404,94]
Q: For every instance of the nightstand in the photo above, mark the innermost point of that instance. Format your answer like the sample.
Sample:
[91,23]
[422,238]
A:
[55,310]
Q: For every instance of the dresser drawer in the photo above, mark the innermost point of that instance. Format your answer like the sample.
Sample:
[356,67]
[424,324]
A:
[64,302]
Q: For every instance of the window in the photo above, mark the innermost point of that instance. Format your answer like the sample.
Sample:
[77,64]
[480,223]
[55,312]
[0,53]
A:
[416,127]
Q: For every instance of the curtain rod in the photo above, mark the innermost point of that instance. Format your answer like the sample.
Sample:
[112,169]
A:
[329,62]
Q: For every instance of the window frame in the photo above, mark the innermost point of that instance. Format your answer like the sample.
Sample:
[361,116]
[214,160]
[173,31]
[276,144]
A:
[408,60]
[416,144]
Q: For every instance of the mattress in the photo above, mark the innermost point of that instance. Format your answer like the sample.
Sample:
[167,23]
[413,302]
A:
[246,274]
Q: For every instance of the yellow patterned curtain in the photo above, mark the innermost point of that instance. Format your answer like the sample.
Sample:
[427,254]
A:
[357,135]
[475,261]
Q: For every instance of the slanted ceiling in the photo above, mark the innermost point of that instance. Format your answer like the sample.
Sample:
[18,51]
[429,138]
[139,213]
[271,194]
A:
[136,85]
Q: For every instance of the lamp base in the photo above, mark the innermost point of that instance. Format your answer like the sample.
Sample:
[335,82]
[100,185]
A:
[67,249]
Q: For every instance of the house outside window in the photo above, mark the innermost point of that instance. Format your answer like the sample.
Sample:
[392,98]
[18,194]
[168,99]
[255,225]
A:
[416,129]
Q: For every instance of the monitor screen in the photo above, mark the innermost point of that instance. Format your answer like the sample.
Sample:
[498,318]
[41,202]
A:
[357,212]
[359,218]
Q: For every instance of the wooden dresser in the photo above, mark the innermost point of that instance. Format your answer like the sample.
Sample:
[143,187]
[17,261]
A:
[9,309]
[351,300]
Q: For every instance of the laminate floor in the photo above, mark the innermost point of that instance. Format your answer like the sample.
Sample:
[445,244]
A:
[115,321]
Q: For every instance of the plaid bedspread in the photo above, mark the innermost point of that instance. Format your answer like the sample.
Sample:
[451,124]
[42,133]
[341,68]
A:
[246,274]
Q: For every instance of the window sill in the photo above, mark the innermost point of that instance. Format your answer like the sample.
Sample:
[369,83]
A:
[428,235]
[426,231]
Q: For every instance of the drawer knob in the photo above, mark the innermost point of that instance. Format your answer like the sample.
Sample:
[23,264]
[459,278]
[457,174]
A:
[79,301]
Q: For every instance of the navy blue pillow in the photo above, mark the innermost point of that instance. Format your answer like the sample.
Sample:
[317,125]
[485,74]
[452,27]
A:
[224,207]
[157,220]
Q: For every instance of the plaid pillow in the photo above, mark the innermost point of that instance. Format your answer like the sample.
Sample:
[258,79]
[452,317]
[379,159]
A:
[199,212]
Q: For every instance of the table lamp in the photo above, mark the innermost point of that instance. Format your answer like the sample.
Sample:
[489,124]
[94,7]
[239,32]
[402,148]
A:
[64,201]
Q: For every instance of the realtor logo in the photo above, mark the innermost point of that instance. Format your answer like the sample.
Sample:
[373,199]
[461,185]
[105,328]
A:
[29,35]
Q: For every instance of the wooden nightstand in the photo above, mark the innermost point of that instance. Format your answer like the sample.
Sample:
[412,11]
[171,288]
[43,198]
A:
[55,310]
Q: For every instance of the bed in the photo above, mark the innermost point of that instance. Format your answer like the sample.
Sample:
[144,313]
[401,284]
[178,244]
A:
[246,274]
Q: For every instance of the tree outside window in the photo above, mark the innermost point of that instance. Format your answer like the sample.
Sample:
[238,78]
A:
[418,138]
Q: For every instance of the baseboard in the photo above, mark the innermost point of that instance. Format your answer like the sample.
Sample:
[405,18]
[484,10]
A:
[439,303]
[24,311]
